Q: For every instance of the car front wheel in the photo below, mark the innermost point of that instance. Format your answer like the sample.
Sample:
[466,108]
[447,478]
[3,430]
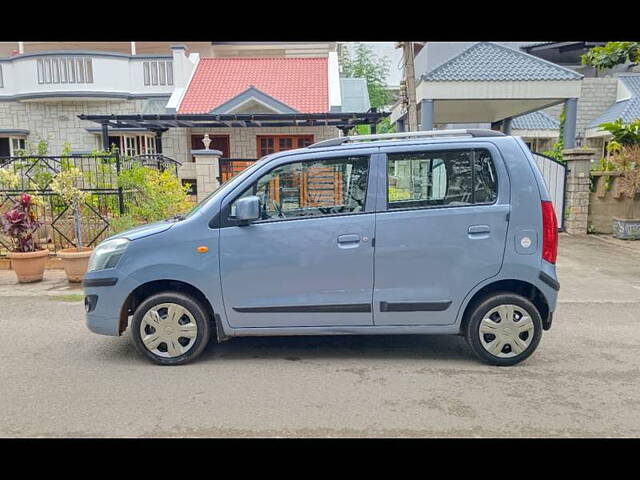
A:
[170,328]
[504,329]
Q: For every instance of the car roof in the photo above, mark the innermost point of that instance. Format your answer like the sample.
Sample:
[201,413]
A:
[399,142]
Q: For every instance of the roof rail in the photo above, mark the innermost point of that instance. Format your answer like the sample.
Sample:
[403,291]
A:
[404,135]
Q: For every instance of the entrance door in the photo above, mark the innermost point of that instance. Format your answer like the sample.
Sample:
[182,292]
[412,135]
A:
[442,231]
[308,261]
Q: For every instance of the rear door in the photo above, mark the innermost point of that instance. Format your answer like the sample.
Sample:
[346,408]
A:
[437,236]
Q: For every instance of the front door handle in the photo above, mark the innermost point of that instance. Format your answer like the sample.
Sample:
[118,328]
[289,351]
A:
[349,238]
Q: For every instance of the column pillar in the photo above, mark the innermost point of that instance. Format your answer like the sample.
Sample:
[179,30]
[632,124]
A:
[159,142]
[105,137]
[506,126]
[399,125]
[426,114]
[207,171]
[570,118]
[181,65]
[576,208]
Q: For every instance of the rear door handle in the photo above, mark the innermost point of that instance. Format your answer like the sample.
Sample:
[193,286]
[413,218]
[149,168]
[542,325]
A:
[479,230]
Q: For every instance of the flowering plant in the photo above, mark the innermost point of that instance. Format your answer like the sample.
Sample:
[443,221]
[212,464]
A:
[20,223]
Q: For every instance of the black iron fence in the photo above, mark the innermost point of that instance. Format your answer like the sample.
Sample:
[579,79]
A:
[105,199]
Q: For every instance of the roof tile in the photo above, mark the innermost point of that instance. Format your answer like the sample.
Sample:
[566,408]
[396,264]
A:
[628,110]
[485,61]
[301,83]
[535,121]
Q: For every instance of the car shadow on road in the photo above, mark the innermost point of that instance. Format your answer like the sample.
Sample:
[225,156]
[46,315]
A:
[301,348]
[319,348]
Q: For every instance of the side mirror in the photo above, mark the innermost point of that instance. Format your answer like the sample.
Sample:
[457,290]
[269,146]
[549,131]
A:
[248,209]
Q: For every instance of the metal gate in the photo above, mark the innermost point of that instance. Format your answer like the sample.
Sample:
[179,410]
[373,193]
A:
[555,176]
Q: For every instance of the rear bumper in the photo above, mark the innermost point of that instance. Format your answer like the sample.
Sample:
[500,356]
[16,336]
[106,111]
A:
[549,280]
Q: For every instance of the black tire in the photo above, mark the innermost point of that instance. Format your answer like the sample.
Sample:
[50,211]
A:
[472,331]
[194,307]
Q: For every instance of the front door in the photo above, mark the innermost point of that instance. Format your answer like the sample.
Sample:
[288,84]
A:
[440,231]
[308,261]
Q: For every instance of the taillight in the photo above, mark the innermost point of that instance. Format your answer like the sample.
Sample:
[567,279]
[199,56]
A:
[549,233]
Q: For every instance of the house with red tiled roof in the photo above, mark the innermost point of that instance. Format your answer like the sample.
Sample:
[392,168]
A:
[58,81]
[255,85]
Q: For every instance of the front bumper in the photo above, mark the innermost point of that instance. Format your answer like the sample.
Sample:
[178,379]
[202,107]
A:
[106,293]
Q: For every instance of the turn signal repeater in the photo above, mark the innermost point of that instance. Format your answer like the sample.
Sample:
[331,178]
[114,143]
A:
[202,249]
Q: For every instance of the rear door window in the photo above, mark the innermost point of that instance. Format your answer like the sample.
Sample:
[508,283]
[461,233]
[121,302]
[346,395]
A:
[440,179]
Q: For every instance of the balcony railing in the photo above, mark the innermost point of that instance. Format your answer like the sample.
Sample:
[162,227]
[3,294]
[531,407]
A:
[85,74]
[65,70]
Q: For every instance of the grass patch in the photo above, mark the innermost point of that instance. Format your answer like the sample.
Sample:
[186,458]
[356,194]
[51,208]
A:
[74,297]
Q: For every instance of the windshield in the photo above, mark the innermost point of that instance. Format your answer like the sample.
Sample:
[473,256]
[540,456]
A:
[230,182]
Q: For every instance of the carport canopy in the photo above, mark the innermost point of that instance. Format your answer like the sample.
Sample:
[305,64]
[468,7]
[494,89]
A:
[492,83]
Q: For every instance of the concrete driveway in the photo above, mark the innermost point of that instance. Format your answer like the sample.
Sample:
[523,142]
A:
[58,379]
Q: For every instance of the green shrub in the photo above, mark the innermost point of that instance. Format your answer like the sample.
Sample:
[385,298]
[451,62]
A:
[152,195]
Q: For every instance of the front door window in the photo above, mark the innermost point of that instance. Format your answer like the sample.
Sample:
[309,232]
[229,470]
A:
[312,188]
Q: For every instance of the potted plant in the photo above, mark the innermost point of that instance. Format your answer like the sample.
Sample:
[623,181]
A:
[74,260]
[20,223]
[624,154]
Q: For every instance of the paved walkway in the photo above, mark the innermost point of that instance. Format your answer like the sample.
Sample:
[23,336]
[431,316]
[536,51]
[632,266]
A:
[54,283]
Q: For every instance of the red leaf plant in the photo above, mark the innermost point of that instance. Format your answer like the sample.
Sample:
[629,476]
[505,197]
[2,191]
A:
[20,223]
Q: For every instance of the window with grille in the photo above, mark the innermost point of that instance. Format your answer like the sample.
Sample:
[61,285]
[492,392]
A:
[158,72]
[277,143]
[131,144]
[60,70]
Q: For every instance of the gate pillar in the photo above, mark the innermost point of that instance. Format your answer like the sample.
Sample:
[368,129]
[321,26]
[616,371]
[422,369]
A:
[207,171]
[576,210]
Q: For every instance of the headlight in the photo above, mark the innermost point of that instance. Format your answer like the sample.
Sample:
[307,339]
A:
[107,254]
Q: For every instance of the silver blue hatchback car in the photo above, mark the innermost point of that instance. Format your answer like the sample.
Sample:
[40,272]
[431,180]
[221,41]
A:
[443,232]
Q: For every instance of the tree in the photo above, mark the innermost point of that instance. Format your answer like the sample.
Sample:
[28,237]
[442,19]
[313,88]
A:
[612,54]
[360,61]
[364,63]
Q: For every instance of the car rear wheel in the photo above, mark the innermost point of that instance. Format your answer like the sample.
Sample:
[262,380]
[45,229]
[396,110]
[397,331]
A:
[504,329]
[170,328]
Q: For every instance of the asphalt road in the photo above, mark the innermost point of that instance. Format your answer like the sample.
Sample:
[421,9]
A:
[58,379]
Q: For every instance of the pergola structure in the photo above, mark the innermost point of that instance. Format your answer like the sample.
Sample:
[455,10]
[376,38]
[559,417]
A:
[160,123]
